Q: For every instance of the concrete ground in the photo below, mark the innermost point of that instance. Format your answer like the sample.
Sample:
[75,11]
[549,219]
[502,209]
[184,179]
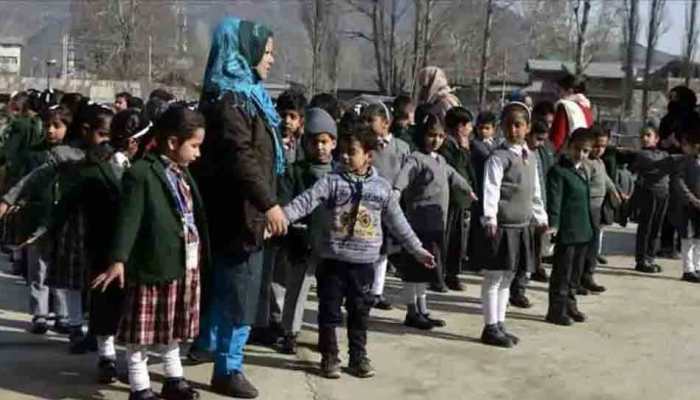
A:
[640,343]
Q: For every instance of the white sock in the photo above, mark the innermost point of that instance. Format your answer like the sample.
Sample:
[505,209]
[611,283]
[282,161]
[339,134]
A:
[504,295]
[137,363]
[379,275]
[74,303]
[408,293]
[489,296]
[421,298]
[172,367]
[696,255]
[600,242]
[105,347]
[687,254]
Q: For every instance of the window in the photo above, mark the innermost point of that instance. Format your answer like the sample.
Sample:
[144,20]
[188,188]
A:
[8,60]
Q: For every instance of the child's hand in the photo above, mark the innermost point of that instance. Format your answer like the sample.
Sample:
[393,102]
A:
[424,257]
[4,207]
[115,271]
[276,222]
[542,228]
[491,231]
[473,196]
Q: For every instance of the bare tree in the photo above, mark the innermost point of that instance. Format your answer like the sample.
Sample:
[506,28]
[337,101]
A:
[691,37]
[581,27]
[630,31]
[654,31]
[320,18]
[485,52]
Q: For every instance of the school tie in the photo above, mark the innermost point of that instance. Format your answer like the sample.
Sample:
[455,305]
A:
[183,188]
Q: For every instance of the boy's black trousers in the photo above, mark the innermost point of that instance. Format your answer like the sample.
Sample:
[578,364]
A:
[652,212]
[339,281]
[565,277]
[457,238]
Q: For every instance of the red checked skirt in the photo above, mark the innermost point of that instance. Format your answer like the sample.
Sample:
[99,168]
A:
[161,314]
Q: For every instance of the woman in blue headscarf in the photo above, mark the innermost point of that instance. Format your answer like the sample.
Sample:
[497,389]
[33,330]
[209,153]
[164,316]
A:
[242,156]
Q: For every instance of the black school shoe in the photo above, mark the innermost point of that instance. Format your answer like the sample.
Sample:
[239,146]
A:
[453,283]
[691,277]
[512,337]
[418,321]
[520,301]
[235,385]
[540,275]
[577,315]
[39,326]
[330,366]
[434,287]
[178,389]
[593,287]
[647,268]
[106,370]
[602,260]
[559,320]
[381,303]
[287,344]
[62,327]
[582,291]
[146,394]
[361,367]
[438,323]
[86,344]
[494,336]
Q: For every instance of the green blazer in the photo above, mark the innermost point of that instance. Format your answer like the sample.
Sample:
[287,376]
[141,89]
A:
[460,160]
[568,204]
[149,234]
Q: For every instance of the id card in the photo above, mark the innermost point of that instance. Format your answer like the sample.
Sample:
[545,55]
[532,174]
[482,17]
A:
[192,255]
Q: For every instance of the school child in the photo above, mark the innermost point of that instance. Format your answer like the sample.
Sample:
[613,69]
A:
[122,101]
[303,242]
[685,209]
[544,111]
[328,103]
[480,147]
[651,197]
[388,159]
[511,199]
[160,247]
[455,149]
[569,208]
[359,204]
[425,183]
[403,112]
[290,106]
[601,186]
[538,141]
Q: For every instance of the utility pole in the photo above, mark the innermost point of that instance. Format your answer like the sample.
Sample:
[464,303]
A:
[485,54]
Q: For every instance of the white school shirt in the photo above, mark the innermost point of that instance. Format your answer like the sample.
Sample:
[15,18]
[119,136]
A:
[493,176]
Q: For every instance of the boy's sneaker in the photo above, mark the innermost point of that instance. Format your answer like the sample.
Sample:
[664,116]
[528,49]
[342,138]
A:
[691,277]
[146,394]
[39,326]
[438,323]
[235,385]
[381,303]
[494,336]
[417,321]
[178,389]
[287,344]
[106,370]
[512,337]
[361,367]
[330,366]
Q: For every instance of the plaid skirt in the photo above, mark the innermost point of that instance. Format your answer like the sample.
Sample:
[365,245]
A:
[69,263]
[161,314]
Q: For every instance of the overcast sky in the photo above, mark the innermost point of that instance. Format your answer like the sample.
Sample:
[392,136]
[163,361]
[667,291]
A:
[671,41]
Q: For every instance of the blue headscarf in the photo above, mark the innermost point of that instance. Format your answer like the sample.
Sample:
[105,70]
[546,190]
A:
[237,47]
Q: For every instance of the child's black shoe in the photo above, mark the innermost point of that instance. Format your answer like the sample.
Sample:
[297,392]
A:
[437,288]
[381,303]
[287,344]
[453,283]
[438,323]
[576,315]
[235,385]
[646,268]
[39,326]
[61,327]
[146,394]
[178,389]
[592,286]
[418,321]
[106,370]
[512,337]
[540,275]
[330,366]
[582,291]
[493,336]
[559,320]
[602,260]
[690,277]
[76,337]
[520,301]
[361,367]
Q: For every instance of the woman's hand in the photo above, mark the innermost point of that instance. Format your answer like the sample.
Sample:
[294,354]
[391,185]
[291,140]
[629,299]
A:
[115,271]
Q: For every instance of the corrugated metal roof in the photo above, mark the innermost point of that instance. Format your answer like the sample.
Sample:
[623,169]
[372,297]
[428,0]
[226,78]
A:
[611,70]
[544,65]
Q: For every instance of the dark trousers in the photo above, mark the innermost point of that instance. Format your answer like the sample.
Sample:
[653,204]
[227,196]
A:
[457,237]
[652,212]
[565,277]
[337,282]
[591,262]
[669,241]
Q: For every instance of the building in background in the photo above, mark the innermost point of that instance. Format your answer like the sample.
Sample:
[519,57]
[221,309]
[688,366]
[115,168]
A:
[10,56]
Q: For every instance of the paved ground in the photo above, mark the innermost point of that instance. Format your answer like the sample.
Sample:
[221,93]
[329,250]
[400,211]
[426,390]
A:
[640,343]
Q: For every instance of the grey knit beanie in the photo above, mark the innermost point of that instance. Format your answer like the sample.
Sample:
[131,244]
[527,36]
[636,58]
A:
[318,121]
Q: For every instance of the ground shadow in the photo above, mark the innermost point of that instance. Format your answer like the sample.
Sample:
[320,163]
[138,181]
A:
[617,271]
